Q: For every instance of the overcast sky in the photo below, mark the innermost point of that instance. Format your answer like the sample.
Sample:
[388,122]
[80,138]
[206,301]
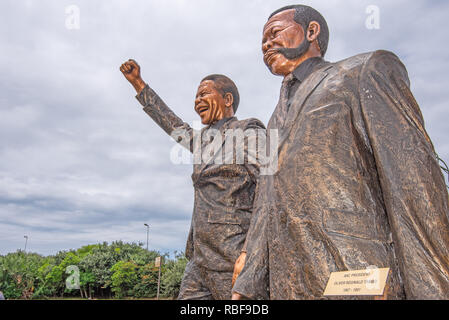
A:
[81,163]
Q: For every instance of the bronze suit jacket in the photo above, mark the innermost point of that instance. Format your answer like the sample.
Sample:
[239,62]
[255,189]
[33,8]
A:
[357,185]
[224,193]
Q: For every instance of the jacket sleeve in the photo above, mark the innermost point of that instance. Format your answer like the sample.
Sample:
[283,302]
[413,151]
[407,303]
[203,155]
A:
[156,108]
[253,128]
[251,157]
[189,244]
[412,183]
[253,281]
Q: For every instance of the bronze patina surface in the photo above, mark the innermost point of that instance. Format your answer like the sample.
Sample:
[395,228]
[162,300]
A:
[224,193]
[358,183]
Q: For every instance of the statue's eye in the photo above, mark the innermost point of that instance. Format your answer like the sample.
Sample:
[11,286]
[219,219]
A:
[276,32]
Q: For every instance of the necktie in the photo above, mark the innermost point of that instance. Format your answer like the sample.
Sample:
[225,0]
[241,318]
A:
[282,107]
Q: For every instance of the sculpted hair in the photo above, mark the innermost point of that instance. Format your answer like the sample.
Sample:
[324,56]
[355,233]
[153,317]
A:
[303,16]
[225,85]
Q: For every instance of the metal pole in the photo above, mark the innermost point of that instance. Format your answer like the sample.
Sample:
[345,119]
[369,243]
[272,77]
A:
[26,240]
[159,280]
[148,232]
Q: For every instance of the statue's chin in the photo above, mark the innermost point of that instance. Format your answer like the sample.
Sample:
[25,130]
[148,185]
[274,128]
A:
[271,70]
[277,72]
[277,68]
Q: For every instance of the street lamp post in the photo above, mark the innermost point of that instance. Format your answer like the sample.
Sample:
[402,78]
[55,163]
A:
[26,240]
[148,232]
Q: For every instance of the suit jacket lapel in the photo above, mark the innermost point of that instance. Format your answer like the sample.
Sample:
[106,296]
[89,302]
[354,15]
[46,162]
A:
[222,129]
[305,90]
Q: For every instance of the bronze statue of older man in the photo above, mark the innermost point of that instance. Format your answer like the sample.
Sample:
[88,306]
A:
[224,180]
[358,183]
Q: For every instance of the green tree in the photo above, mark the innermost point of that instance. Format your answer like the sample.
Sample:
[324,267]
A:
[124,278]
[43,287]
[172,275]
[125,269]
[87,284]
[8,283]
[103,257]
[18,274]
[55,279]
[147,284]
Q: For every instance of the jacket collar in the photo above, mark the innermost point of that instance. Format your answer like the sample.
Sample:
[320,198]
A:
[307,67]
[217,125]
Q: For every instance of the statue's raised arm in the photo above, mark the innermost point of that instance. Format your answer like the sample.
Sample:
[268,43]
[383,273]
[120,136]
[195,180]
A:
[224,180]
[156,108]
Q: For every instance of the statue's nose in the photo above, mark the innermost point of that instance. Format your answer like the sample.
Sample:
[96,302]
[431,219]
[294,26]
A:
[267,45]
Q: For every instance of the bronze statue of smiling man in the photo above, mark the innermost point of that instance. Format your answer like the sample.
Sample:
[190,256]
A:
[224,190]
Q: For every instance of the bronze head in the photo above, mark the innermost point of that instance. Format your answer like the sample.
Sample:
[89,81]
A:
[217,98]
[291,35]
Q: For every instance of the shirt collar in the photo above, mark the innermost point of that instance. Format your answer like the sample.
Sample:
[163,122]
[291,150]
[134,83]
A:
[220,123]
[307,67]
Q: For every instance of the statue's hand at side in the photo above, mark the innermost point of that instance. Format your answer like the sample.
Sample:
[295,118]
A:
[131,71]
[238,266]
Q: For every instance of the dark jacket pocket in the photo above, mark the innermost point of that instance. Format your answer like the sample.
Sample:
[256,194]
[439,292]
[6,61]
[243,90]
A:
[229,216]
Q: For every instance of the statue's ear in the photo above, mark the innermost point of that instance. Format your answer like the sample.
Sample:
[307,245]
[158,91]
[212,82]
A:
[313,31]
[229,99]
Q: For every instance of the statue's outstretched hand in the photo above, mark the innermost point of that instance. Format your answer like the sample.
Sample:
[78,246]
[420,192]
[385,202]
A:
[131,71]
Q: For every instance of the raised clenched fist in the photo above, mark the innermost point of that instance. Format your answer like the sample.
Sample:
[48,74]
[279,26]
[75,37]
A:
[131,71]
